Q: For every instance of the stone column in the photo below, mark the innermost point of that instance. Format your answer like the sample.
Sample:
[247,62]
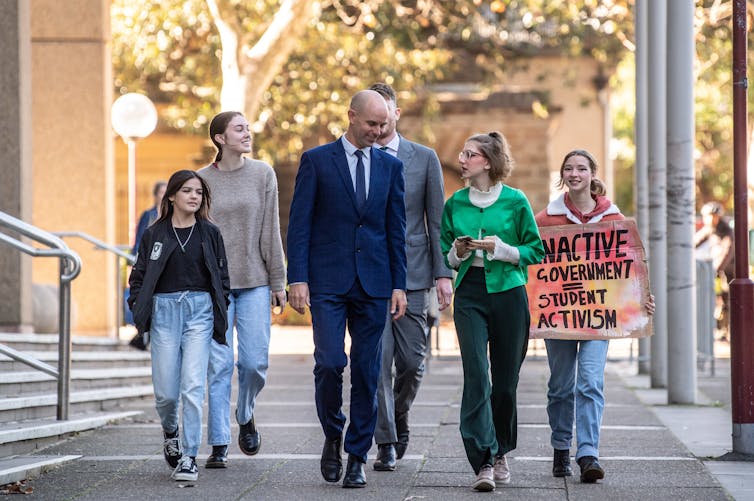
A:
[15,160]
[73,148]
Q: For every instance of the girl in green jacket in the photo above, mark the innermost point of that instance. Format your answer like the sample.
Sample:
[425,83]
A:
[489,235]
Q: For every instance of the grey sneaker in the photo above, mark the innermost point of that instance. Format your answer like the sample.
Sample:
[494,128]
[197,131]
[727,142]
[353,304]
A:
[502,473]
[171,448]
[186,470]
[484,481]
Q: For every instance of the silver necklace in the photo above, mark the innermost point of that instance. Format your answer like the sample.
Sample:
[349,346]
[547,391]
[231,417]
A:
[183,244]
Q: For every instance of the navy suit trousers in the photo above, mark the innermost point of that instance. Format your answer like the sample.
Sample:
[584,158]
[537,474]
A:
[365,317]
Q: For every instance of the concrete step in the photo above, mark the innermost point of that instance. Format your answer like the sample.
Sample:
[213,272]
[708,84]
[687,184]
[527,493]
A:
[18,440]
[40,406]
[13,384]
[82,360]
[49,342]
[17,468]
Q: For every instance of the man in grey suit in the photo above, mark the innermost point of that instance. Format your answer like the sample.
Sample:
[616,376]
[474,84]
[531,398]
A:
[404,341]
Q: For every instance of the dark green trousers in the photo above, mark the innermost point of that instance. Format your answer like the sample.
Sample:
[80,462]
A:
[499,321]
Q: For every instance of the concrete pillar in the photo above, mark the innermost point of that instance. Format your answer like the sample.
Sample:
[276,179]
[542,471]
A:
[74,185]
[641,140]
[680,205]
[658,260]
[15,160]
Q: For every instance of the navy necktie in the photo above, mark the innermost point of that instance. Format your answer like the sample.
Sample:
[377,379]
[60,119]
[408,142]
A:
[361,191]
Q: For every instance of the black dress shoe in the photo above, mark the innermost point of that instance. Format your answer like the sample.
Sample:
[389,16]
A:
[561,463]
[331,464]
[385,458]
[249,438]
[591,471]
[354,477]
[401,428]
[218,458]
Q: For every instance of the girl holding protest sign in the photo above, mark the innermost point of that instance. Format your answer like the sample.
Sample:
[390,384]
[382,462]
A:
[577,366]
[489,235]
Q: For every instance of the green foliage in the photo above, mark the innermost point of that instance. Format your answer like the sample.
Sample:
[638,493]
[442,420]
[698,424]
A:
[170,51]
[713,95]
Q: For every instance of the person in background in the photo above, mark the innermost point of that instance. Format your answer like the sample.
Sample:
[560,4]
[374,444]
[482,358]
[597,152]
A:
[577,367]
[245,207]
[346,260]
[714,241]
[404,341]
[150,215]
[179,295]
[489,235]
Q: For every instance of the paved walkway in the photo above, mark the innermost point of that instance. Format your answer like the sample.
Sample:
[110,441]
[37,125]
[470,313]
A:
[641,451]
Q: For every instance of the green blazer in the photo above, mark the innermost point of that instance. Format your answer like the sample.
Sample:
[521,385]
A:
[510,218]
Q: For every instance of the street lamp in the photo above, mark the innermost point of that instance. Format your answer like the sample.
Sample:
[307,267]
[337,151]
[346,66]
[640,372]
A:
[133,117]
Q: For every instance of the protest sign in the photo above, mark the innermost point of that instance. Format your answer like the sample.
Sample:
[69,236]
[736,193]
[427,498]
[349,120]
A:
[593,283]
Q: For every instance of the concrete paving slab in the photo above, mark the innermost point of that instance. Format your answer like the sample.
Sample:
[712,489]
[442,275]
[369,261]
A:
[642,457]
[735,476]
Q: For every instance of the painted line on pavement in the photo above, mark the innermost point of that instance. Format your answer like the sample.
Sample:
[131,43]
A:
[415,457]
[413,425]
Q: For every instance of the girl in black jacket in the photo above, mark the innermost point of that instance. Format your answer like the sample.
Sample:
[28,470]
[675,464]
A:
[179,296]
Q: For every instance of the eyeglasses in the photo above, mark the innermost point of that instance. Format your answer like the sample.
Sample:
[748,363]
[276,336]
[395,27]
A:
[465,155]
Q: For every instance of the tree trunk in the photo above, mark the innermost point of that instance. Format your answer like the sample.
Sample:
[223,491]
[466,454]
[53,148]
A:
[248,69]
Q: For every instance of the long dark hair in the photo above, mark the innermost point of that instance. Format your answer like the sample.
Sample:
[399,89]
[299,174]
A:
[218,125]
[175,183]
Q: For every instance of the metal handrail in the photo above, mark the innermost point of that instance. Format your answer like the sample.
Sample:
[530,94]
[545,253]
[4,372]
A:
[120,253]
[70,267]
[130,258]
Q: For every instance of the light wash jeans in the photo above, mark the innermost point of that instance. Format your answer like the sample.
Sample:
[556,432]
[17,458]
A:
[180,336]
[249,310]
[577,375]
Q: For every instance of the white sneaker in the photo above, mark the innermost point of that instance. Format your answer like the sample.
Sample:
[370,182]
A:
[186,470]
[502,473]
[484,481]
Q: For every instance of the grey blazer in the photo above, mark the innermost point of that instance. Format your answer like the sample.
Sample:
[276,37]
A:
[425,198]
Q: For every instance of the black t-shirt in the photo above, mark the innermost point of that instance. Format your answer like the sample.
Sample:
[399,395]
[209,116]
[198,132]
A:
[185,269]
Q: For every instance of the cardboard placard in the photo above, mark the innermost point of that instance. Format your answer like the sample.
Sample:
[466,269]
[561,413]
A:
[593,283]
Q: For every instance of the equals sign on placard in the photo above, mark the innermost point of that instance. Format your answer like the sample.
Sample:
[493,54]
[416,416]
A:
[572,286]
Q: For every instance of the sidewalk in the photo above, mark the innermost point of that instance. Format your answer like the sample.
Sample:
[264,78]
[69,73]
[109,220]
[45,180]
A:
[641,450]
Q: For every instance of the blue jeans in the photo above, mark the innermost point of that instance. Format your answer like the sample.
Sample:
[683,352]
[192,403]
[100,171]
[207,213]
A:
[180,335]
[249,311]
[577,375]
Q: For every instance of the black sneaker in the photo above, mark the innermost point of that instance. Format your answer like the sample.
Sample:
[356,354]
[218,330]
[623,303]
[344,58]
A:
[186,470]
[591,471]
[171,448]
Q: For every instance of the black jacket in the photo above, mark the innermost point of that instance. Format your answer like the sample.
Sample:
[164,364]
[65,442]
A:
[155,247]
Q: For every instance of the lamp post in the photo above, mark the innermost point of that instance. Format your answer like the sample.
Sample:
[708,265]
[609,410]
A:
[133,117]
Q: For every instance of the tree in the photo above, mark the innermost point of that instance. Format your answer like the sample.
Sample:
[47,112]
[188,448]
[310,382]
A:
[290,66]
[713,109]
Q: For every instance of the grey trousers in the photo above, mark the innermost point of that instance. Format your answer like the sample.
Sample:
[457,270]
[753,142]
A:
[404,343]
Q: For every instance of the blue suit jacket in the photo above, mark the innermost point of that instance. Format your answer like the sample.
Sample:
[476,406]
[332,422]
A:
[331,243]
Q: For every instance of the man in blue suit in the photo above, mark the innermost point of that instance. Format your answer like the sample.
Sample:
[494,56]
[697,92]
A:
[347,262]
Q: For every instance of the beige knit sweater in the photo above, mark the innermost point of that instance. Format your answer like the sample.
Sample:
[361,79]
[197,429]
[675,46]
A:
[245,207]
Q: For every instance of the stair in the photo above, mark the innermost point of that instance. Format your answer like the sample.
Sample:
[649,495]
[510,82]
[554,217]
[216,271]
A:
[106,374]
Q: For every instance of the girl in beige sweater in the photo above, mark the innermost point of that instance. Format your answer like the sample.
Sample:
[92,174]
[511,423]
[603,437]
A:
[245,207]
